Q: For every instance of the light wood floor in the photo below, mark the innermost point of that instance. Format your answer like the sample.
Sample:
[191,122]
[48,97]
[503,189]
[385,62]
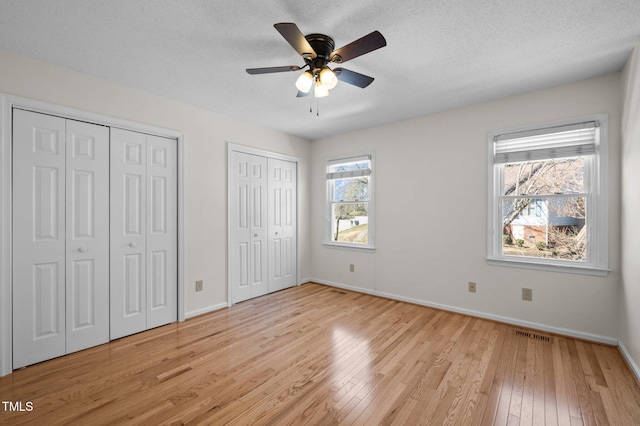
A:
[319,355]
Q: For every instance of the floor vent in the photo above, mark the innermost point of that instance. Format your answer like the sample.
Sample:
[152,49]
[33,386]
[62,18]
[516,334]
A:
[533,335]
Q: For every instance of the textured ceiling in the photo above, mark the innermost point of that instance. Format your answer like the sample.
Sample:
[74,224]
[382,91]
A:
[440,54]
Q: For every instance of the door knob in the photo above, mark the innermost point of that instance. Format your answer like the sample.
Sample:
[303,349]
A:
[83,250]
[255,235]
[132,244]
[276,233]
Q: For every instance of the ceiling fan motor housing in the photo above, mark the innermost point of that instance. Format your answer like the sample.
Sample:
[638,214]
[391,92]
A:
[323,45]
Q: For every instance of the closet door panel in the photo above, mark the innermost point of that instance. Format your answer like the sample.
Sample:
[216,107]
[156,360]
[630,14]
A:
[258,255]
[240,237]
[248,226]
[133,286]
[87,231]
[282,224]
[128,272]
[239,226]
[275,225]
[289,225]
[162,231]
[38,237]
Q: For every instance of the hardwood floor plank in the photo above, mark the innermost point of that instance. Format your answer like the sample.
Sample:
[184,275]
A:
[521,403]
[560,386]
[319,355]
[549,386]
[506,380]
[573,397]
[485,415]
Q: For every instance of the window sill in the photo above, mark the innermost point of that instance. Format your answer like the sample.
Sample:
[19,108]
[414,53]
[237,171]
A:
[344,246]
[551,267]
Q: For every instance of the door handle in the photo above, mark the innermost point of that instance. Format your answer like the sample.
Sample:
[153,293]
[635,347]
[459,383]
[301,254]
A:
[255,235]
[83,249]
[276,233]
[132,244]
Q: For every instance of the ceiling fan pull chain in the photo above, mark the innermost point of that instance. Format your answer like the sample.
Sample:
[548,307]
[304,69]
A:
[317,107]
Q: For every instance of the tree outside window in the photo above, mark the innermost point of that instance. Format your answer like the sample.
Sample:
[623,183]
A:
[548,220]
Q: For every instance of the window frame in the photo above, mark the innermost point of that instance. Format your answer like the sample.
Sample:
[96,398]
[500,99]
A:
[596,186]
[328,228]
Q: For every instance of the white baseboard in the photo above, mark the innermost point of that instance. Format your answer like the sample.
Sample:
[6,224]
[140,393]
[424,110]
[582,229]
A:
[630,361]
[206,310]
[513,321]
[305,280]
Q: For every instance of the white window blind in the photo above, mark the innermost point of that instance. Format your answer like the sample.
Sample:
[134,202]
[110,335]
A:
[349,168]
[554,142]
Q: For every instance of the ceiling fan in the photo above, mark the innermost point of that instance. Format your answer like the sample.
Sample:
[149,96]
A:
[317,50]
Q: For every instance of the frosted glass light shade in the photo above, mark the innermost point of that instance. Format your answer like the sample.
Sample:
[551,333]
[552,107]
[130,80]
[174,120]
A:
[328,78]
[304,82]
[320,90]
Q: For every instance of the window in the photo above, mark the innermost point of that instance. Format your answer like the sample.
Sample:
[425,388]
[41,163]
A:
[548,203]
[350,202]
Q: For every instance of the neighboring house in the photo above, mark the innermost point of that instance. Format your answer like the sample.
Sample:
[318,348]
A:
[535,221]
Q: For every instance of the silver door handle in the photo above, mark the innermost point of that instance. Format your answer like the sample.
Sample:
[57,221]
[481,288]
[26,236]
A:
[132,244]
[255,235]
[83,249]
[276,233]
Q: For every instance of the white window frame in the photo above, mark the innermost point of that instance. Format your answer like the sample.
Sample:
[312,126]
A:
[596,182]
[328,240]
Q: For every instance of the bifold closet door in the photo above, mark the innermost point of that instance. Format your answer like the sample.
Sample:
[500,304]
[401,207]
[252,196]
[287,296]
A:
[248,226]
[282,224]
[60,236]
[144,233]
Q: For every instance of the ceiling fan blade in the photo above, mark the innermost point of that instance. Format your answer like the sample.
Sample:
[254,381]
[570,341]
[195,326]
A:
[302,94]
[269,70]
[352,77]
[294,36]
[363,45]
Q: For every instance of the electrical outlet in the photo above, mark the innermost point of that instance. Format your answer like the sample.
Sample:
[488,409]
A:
[199,285]
[352,268]
[527,294]
[472,287]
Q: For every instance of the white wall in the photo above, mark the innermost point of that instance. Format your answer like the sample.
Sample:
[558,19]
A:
[205,136]
[630,286]
[433,169]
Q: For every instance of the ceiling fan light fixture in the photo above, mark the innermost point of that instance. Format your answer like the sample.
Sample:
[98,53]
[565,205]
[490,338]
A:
[328,78]
[304,82]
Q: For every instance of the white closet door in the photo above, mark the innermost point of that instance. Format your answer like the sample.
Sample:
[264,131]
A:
[60,236]
[128,227]
[38,238]
[144,229]
[282,224]
[162,231]
[248,226]
[87,229]
[290,226]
